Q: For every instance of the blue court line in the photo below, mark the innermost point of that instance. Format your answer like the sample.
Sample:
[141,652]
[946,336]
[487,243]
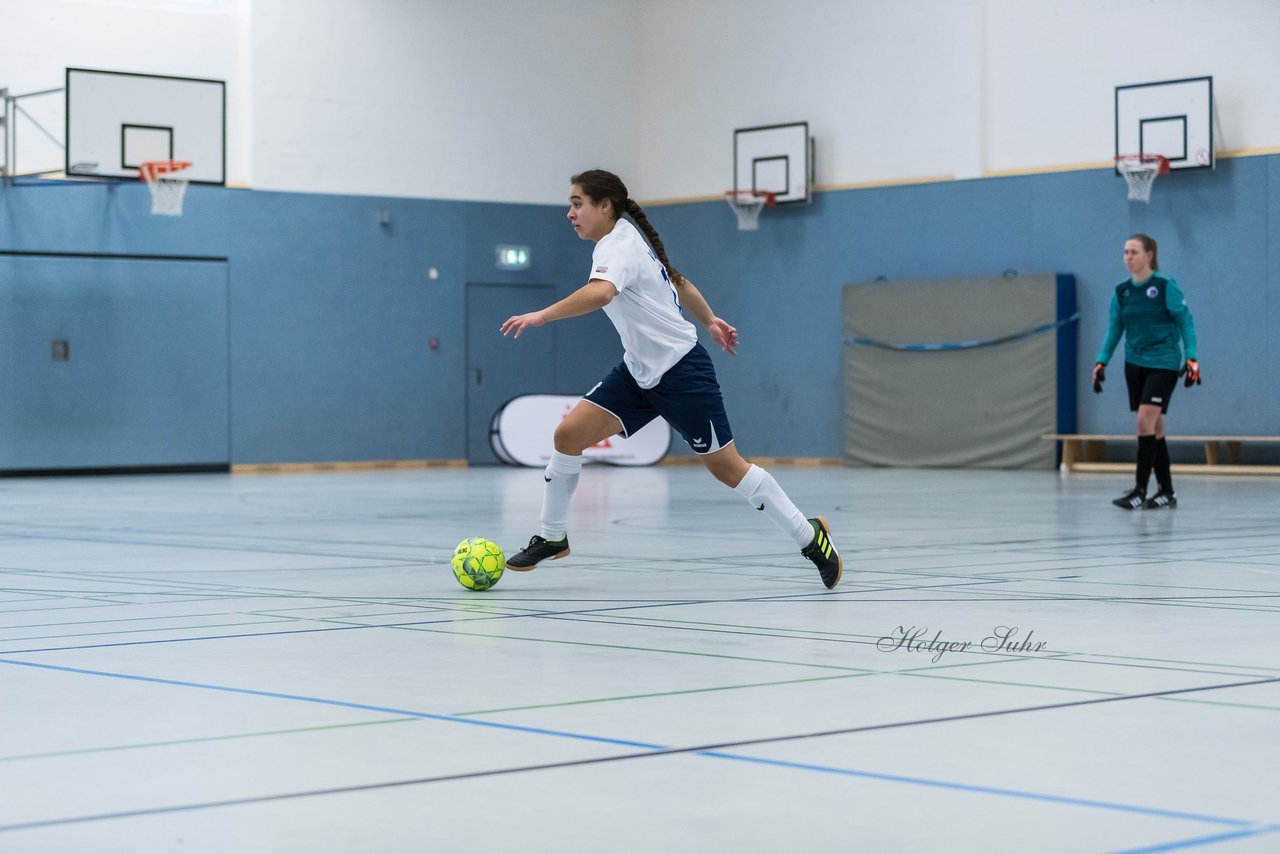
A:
[275,695]
[982,790]
[651,750]
[1197,841]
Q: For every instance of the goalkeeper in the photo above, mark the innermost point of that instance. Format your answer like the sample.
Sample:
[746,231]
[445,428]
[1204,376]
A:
[1149,310]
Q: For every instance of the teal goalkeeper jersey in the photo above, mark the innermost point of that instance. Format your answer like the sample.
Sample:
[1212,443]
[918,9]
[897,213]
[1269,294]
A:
[1152,317]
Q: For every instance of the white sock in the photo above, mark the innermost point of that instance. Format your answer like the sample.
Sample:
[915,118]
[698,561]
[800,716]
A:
[759,488]
[562,479]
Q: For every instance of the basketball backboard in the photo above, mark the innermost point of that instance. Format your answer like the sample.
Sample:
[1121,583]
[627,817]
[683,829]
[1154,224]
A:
[1173,118]
[117,120]
[776,159]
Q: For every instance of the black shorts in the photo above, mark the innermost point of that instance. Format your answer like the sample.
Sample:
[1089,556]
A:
[1149,385]
[688,396]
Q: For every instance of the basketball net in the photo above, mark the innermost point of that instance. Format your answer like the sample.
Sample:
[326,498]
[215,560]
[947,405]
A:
[167,180]
[1140,171]
[747,205]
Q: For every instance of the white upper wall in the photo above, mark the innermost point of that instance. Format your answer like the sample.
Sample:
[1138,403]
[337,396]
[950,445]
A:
[503,99]
[889,87]
[1053,66]
[463,99]
[40,39]
[902,89]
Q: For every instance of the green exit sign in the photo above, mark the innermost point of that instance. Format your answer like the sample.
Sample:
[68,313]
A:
[514,257]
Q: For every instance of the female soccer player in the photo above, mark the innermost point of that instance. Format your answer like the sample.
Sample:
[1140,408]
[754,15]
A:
[664,371]
[1152,314]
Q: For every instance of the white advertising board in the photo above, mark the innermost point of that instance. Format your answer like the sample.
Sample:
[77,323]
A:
[523,428]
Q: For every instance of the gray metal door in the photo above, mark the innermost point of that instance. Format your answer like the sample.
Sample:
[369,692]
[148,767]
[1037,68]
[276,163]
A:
[499,368]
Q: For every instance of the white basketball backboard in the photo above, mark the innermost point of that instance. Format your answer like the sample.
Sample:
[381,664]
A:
[1173,118]
[776,159]
[117,120]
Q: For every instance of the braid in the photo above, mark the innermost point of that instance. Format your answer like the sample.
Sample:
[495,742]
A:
[637,213]
[601,185]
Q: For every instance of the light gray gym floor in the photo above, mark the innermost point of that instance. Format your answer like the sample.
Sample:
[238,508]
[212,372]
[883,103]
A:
[282,663]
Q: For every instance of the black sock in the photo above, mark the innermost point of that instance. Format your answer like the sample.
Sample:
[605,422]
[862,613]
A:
[1163,475]
[1146,458]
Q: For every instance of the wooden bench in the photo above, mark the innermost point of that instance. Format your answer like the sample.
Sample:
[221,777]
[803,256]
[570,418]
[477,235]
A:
[1088,452]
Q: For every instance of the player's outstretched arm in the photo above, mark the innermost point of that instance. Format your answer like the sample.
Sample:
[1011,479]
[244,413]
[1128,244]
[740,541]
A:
[595,294]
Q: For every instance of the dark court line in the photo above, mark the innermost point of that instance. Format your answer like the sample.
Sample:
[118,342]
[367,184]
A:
[714,750]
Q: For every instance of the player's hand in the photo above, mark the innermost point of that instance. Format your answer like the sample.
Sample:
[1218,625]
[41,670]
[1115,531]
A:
[1192,371]
[1099,376]
[725,335]
[520,322]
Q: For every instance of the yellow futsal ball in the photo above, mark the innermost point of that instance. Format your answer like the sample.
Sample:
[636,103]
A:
[478,563]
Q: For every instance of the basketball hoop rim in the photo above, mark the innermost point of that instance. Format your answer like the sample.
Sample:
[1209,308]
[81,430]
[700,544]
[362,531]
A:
[1161,163]
[152,168]
[736,196]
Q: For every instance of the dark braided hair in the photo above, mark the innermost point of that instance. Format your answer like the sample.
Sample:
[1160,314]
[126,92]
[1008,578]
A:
[599,185]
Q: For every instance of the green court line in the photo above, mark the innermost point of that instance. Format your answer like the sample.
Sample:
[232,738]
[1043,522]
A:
[790,634]
[175,629]
[1009,684]
[1180,661]
[1006,591]
[658,623]
[79,605]
[1002,574]
[779,634]
[197,539]
[1219,703]
[918,672]
[925,672]
[1069,655]
[129,579]
[212,738]
[1230,601]
[405,609]
[627,648]
[1077,690]
[116,600]
[136,619]
[659,694]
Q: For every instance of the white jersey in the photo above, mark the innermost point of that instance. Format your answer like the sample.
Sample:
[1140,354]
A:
[646,312]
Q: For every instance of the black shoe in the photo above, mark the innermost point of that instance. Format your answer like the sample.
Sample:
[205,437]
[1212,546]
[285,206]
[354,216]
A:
[536,552]
[823,553]
[1132,499]
[1160,499]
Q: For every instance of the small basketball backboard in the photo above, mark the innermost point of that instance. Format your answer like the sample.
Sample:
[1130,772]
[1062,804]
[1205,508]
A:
[118,120]
[774,159]
[1173,118]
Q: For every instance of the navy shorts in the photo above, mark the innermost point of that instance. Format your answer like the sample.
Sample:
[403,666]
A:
[1149,385]
[688,396]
